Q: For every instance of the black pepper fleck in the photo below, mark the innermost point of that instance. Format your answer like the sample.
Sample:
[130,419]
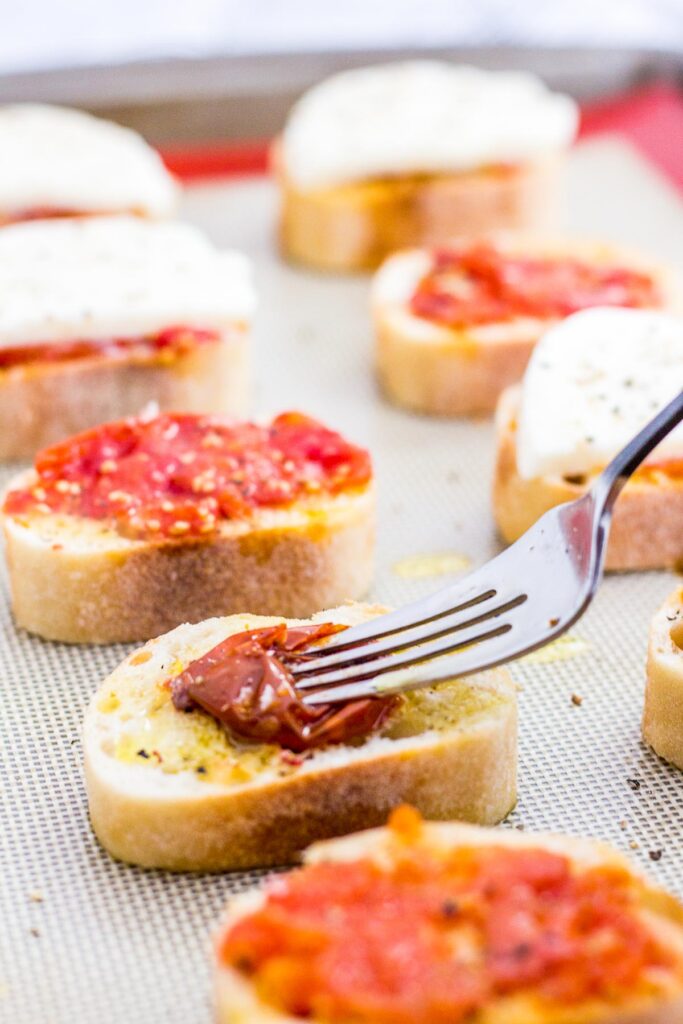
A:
[450,909]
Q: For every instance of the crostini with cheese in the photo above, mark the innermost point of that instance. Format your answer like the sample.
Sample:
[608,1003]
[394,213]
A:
[129,529]
[201,756]
[428,923]
[106,314]
[592,383]
[663,714]
[59,162]
[456,325]
[381,158]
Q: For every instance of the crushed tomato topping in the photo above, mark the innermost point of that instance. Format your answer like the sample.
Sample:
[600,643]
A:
[40,213]
[180,475]
[480,285]
[245,684]
[163,346]
[434,938]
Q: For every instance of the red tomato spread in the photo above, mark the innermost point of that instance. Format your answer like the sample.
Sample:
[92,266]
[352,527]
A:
[38,213]
[181,475]
[435,938]
[671,468]
[164,346]
[245,683]
[56,213]
[481,285]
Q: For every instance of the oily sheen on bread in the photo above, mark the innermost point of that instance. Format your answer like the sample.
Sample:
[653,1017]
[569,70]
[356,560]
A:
[170,789]
[663,714]
[431,366]
[646,524]
[520,995]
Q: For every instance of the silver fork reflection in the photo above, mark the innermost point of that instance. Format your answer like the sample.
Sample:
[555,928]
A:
[522,599]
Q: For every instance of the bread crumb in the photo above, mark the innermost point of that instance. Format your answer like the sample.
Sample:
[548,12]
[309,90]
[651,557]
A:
[36,896]
[577,700]
[634,845]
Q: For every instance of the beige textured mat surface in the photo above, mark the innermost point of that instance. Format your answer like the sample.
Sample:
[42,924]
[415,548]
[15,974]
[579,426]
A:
[84,939]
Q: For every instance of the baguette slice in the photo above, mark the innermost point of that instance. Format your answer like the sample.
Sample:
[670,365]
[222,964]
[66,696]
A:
[60,162]
[657,1000]
[47,401]
[91,302]
[663,714]
[355,226]
[78,580]
[646,525]
[448,371]
[171,790]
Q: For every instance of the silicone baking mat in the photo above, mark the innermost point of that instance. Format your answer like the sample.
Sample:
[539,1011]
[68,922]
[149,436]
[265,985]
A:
[85,939]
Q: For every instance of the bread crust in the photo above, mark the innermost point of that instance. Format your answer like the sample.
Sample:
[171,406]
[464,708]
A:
[446,371]
[663,712]
[646,524]
[468,771]
[454,375]
[237,1003]
[44,402]
[354,227]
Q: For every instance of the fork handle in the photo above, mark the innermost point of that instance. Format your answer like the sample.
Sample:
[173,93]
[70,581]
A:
[610,482]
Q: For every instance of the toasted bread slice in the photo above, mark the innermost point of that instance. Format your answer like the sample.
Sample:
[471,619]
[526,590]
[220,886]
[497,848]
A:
[663,714]
[45,401]
[357,225]
[169,789]
[646,524]
[61,162]
[654,998]
[79,581]
[109,314]
[460,371]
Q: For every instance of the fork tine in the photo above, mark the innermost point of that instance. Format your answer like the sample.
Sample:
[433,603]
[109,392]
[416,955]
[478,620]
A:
[413,655]
[382,652]
[500,646]
[478,586]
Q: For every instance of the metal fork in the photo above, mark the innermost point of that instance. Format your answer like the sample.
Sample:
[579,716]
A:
[525,597]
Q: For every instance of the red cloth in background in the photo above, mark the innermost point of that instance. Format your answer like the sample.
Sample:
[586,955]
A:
[651,118]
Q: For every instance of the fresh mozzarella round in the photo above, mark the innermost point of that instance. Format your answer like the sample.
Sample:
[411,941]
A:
[107,277]
[421,116]
[593,382]
[62,159]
